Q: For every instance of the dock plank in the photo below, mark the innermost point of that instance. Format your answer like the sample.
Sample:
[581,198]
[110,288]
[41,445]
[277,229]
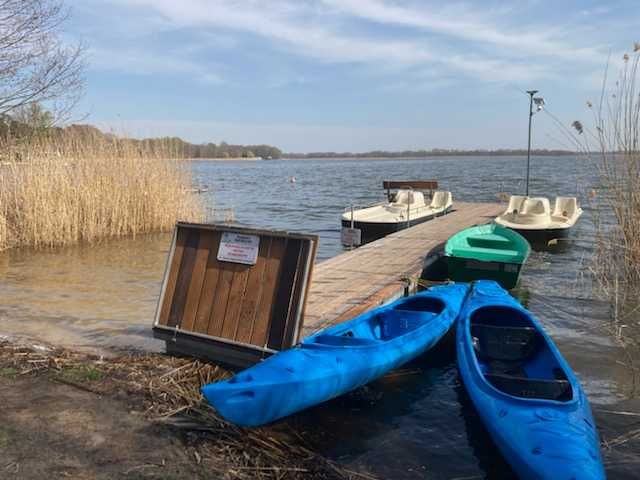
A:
[356,281]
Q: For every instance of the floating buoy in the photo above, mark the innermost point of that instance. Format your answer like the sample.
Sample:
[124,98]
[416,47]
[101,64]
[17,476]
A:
[292,179]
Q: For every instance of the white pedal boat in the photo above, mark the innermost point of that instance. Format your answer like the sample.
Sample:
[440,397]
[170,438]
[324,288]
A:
[407,209]
[533,217]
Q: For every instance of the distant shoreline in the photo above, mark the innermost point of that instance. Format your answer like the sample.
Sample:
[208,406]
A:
[220,159]
[408,154]
[388,157]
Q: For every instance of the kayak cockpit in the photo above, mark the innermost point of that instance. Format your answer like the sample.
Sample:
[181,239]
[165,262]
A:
[514,356]
[381,326]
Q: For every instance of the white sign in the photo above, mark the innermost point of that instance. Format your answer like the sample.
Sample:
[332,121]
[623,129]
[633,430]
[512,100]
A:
[351,236]
[238,248]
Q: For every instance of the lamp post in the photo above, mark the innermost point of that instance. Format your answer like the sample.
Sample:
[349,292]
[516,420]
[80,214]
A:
[539,101]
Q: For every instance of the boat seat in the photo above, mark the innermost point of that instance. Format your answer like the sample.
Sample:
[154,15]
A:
[441,200]
[515,203]
[546,389]
[509,344]
[489,241]
[536,206]
[565,207]
[394,323]
[409,197]
[503,367]
[473,252]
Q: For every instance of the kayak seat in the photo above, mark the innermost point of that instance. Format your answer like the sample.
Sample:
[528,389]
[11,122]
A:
[394,323]
[501,367]
[544,389]
[510,344]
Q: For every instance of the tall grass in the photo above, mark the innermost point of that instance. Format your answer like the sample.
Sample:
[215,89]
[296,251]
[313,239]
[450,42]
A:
[59,189]
[612,140]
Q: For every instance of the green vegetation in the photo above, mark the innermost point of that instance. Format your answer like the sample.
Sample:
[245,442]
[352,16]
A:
[8,372]
[81,374]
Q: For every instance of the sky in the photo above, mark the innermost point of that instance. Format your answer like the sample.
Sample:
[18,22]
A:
[347,75]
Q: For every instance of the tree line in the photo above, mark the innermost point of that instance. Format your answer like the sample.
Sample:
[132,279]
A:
[435,152]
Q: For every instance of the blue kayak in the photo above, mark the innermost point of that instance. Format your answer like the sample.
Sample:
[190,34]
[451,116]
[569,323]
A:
[524,391]
[337,359]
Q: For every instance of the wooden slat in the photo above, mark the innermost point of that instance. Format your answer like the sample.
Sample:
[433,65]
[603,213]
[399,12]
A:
[184,278]
[223,288]
[236,293]
[288,338]
[197,281]
[284,293]
[417,184]
[170,288]
[252,295]
[312,266]
[209,287]
[265,306]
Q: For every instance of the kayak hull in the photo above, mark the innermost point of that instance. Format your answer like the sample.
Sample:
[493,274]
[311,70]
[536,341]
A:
[542,426]
[338,359]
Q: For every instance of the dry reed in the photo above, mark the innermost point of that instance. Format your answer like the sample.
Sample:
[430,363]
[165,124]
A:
[58,189]
[169,391]
[611,140]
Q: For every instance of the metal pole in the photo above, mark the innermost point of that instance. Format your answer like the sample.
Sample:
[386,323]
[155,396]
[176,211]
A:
[531,94]
[352,226]
[410,199]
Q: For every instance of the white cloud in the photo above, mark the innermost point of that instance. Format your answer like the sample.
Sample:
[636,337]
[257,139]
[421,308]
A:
[145,62]
[466,25]
[318,31]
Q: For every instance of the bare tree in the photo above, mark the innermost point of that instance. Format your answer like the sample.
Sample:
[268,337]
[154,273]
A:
[35,65]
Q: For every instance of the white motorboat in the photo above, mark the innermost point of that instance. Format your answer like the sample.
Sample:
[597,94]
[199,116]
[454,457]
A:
[533,217]
[407,208]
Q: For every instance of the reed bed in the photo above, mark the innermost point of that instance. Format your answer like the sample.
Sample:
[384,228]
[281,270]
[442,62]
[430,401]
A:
[168,389]
[611,140]
[60,188]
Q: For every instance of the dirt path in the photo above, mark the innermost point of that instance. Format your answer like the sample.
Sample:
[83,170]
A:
[67,414]
[53,430]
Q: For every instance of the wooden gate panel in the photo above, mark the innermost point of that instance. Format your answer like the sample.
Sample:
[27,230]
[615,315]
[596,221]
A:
[250,307]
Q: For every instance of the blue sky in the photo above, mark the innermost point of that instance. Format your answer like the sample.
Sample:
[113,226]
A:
[347,75]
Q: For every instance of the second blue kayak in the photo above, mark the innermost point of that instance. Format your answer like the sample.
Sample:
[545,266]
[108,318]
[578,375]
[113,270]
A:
[524,391]
[338,359]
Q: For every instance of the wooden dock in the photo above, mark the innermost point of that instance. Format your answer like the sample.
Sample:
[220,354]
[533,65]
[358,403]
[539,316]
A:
[356,281]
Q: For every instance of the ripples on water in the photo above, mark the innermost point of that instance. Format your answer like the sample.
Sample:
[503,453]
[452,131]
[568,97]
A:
[415,423]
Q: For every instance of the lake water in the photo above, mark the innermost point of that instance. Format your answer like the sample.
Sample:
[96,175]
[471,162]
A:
[414,423]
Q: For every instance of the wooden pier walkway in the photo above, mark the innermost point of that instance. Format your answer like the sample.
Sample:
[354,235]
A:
[378,272]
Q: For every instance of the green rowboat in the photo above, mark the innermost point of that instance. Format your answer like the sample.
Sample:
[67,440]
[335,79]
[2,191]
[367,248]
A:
[487,252]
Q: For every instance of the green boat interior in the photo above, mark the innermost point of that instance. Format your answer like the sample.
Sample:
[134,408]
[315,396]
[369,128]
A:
[515,357]
[488,243]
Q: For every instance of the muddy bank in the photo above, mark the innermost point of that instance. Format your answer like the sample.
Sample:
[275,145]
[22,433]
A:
[74,415]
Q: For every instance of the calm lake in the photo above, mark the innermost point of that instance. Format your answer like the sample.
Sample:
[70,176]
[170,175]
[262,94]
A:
[414,423]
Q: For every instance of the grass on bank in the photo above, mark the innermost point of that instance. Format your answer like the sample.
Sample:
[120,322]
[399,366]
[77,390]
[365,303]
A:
[57,190]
